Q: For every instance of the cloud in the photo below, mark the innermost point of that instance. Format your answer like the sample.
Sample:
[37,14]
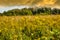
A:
[29,2]
[46,2]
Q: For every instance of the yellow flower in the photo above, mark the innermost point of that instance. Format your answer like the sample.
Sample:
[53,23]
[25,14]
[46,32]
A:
[6,29]
[0,30]
[38,39]
[15,36]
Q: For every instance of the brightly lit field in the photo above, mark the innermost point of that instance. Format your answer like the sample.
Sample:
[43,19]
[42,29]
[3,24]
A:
[42,27]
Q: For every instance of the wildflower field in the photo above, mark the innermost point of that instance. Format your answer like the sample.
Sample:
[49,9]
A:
[42,27]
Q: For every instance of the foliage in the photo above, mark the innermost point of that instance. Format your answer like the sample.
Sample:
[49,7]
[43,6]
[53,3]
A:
[45,27]
[31,11]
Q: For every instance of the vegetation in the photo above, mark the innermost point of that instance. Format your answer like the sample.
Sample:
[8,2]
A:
[30,27]
[31,11]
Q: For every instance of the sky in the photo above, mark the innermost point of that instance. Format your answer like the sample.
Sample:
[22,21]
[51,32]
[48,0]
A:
[11,4]
[29,2]
[6,8]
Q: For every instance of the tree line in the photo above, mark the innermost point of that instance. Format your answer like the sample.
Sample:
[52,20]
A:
[31,11]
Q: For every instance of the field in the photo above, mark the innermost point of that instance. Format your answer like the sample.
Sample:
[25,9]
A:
[43,27]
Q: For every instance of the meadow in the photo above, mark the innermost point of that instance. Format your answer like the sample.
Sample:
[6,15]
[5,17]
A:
[42,27]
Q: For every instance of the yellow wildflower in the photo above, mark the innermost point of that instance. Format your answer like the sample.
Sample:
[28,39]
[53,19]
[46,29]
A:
[0,30]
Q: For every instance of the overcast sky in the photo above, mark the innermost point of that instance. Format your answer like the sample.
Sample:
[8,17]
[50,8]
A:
[29,2]
[10,4]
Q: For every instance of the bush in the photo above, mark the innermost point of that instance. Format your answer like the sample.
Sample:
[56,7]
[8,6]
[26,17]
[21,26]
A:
[31,11]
